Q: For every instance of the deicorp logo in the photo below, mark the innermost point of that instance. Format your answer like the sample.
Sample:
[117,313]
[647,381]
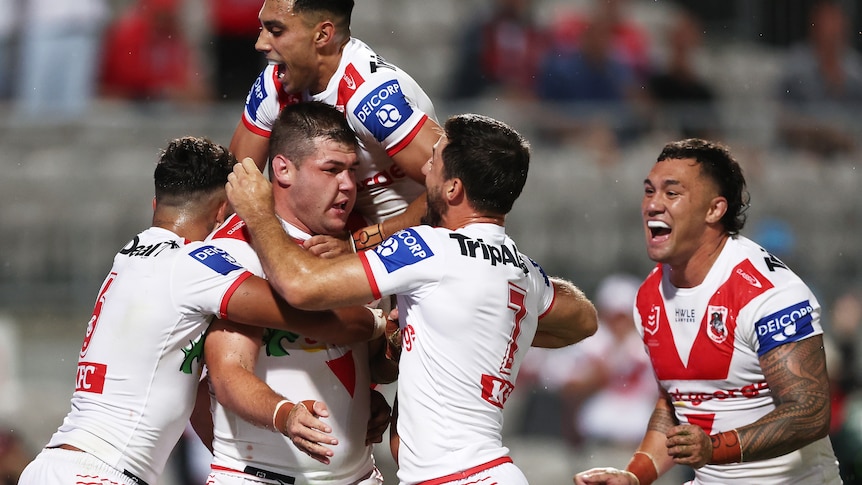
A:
[403,249]
[383,109]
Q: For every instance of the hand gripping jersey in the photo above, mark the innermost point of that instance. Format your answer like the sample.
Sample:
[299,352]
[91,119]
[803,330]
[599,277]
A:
[470,306]
[300,369]
[383,105]
[704,344]
[140,363]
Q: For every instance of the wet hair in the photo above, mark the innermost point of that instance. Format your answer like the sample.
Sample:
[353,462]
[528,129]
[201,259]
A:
[489,157]
[298,125]
[717,164]
[339,11]
[190,167]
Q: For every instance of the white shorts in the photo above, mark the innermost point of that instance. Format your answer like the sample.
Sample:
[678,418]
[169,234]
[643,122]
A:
[66,467]
[500,471]
[220,476]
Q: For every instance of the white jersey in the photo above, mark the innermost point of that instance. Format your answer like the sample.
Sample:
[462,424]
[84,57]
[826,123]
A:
[705,343]
[382,104]
[469,304]
[140,363]
[299,368]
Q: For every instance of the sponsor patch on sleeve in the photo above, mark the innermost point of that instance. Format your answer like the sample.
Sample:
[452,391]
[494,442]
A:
[256,96]
[384,109]
[791,324]
[216,259]
[403,249]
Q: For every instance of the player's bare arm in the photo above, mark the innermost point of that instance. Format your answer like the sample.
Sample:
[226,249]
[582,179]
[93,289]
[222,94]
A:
[796,374]
[305,281]
[256,303]
[410,159]
[245,143]
[378,422]
[649,461]
[571,319]
[231,352]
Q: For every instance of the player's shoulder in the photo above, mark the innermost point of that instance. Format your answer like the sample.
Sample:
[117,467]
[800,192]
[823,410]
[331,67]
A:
[762,264]
[233,228]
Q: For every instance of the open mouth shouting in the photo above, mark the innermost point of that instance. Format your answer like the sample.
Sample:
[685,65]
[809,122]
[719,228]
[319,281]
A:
[659,231]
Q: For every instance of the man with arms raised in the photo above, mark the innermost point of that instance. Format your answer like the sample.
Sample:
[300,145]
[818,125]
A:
[314,58]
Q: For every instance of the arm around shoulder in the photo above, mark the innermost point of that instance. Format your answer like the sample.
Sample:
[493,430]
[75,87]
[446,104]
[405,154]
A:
[571,319]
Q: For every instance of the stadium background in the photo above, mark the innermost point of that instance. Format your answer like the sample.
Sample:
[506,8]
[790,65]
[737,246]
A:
[72,194]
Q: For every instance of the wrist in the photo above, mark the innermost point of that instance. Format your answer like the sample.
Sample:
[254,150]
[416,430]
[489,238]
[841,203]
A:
[726,448]
[643,467]
[368,237]
[379,322]
[279,414]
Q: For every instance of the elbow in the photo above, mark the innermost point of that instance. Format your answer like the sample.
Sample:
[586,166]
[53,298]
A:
[589,323]
[299,293]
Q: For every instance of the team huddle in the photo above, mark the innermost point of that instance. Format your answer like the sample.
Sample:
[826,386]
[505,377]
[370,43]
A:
[266,308]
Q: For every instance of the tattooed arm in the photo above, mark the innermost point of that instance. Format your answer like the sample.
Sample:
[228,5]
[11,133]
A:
[796,374]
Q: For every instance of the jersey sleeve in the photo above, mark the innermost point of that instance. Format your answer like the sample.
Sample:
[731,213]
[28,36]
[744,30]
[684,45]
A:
[542,284]
[262,103]
[406,261]
[788,313]
[381,112]
[205,277]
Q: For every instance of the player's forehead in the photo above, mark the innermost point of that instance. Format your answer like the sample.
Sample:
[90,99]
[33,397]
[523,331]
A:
[277,12]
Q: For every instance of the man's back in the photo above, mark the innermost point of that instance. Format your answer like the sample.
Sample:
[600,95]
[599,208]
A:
[471,304]
[140,362]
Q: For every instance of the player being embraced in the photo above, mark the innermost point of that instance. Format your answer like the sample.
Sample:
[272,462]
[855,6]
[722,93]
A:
[470,304]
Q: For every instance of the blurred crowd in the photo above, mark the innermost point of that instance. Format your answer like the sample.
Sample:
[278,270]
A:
[143,51]
[607,78]
[601,76]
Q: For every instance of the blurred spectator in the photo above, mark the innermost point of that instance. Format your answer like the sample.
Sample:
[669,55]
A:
[14,456]
[8,28]
[147,56]
[234,31]
[591,81]
[58,56]
[606,383]
[685,101]
[500,52]
[843,327]
[628,41]
[821,87]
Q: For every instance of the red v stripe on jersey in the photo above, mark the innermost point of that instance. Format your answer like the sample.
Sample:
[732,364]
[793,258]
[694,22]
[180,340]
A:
[344,369]
[709,360]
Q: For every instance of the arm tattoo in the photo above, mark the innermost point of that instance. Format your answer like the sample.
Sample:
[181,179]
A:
[662,418]
[796,375]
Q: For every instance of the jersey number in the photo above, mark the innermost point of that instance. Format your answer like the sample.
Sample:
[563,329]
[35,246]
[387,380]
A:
[97,312]
[494,389]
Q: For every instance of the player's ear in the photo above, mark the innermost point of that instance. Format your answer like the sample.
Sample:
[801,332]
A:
[283,170]
[717,209]
[454,190]
[325,33]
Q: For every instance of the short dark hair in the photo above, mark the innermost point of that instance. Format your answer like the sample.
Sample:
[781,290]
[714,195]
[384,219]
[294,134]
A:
[717,163]
[299,124]
[339,11]
[189,167]
[490,158]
